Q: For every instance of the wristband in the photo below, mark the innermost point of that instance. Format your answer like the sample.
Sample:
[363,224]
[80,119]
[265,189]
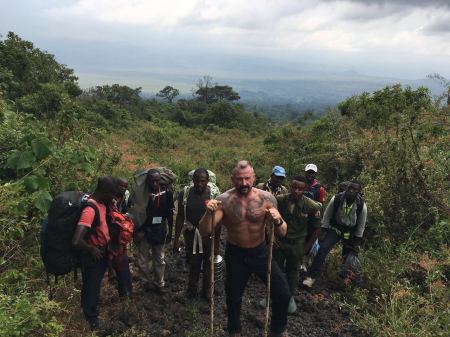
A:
[280,223]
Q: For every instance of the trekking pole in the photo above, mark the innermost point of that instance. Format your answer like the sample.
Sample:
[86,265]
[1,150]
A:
[269,272]
[212,274]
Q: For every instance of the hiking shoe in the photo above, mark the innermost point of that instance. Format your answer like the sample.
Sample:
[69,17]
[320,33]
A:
[308,282]
[94,324]
[159,289]
[191,294]
[263,303]
[292,308]
[206,295]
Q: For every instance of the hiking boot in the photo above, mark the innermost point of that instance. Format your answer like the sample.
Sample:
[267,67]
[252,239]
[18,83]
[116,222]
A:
[206,295]
[263,303]
[94,324]
[191,295]
[185,267]
[292,308]
[308,282]
[159,289]
[278,334]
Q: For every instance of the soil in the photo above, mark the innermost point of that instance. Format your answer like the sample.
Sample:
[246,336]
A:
[151,314]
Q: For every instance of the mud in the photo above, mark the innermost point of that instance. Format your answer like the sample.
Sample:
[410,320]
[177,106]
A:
[150,313]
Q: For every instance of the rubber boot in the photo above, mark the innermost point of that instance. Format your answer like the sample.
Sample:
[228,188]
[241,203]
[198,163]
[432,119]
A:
[263,303]
[292,308]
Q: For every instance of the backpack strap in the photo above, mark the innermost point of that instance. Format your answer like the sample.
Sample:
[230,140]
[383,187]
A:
[96,221]
[197,236]
[186,191]
[359,204]
[338,198]
[336,203]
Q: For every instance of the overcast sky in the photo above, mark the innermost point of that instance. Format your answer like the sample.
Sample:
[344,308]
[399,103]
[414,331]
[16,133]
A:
[180,39]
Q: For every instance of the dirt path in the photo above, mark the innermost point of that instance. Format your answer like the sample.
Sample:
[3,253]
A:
[151,314]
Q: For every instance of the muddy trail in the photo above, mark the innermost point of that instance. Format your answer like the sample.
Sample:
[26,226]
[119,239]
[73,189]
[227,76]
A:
[152,314]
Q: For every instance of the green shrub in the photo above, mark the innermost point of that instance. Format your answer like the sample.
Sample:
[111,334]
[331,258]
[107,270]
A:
[28,314]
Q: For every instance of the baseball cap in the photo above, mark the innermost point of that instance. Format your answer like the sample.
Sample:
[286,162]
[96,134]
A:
[311,167]
[279,171]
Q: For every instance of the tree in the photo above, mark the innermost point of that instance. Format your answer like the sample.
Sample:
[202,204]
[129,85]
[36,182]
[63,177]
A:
[208,93]
[204,87]
[168,93]
[225,92]
[30,67]
[118,94]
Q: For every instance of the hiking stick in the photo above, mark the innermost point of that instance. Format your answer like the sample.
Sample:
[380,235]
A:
[212,273]
[269,272]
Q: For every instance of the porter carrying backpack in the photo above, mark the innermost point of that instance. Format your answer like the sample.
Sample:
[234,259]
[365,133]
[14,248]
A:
[338,199]
[139,196]
[168,178]
[57,230]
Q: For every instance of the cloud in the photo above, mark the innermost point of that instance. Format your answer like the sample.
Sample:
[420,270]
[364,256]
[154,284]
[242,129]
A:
[372,31]
[437,27]
[246,15]
[406,3]
[369,10]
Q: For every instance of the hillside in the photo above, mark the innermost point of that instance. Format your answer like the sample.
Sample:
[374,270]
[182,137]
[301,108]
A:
[55,137]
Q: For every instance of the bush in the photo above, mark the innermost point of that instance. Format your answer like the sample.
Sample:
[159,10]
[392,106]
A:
[28,315]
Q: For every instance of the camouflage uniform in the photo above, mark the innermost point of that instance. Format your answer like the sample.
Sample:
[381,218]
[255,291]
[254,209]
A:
[274,191]
[291,248]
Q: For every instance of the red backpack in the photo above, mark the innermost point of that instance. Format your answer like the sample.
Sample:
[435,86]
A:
[121,229]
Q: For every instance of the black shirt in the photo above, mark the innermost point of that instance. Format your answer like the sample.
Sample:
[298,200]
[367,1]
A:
[160,204]
[196,206]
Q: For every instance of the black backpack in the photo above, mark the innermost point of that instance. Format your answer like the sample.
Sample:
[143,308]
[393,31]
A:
[57,230]
[338,199]
[313,192]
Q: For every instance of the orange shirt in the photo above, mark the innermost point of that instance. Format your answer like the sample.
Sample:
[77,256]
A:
[101,232]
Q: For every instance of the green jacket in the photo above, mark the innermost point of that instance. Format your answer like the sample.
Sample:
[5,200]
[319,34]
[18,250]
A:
[296,214]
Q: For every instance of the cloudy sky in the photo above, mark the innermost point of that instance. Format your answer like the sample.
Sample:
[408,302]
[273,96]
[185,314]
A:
[179,40]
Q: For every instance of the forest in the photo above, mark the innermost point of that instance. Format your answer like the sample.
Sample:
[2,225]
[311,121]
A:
[56,136]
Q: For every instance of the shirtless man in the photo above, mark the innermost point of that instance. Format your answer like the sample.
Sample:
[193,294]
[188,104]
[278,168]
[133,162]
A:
[243,211]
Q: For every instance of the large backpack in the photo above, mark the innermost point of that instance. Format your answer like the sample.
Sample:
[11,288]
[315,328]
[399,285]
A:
[212,183]
[57,231]
[139,196]
[338,199]
[214,190]
[168,178]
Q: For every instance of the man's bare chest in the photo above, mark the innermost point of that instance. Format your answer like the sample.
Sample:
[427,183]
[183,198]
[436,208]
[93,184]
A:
[252,211]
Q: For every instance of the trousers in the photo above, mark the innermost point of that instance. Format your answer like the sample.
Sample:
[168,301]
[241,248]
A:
[150,259]
[240,263]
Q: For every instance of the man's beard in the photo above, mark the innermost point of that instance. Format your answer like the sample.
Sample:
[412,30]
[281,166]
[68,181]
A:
[199,189]
[244,189]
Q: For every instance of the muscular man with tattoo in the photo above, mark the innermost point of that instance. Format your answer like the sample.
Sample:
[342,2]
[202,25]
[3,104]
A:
[243,211]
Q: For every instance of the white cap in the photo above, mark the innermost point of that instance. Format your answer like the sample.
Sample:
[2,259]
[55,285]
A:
[311,167]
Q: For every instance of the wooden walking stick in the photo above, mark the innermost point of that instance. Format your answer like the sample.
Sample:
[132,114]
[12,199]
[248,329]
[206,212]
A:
[269,272]
[212,274]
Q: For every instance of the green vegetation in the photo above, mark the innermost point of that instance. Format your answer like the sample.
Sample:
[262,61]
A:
[55,137]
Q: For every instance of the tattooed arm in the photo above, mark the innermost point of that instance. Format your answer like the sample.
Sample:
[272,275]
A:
[278,222]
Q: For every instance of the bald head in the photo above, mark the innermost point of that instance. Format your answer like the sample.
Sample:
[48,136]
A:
[243,177]
[242,165]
